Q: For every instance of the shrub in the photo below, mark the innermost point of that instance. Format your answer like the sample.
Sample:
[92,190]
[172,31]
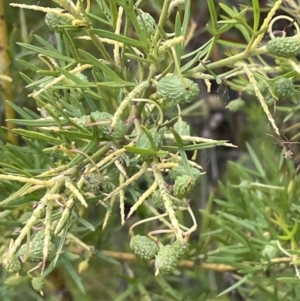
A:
[104,139]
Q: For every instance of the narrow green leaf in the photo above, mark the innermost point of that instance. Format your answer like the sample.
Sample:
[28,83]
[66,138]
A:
[106,257]
[194,147]
[15,148]
[98,19]
[119,38]
[40,82]
[53,54]
[148,134]
[186,18]
[125,295]
[233,232]
[73,273]
[42,157]
[292,280]
[213,15]
[28,65]
[116,84]
[63,237]
[106,11]
[147,60]
[246,172]
[245,29]
[16,195]
[256,161]
[256,14]
[33,114]
[87,149]
[26,78]
[37,136]
[178,47]
[238,221]
[232,44]
[45,43]
[114,12]
[70,110]
[168,288]
[105,69]
[91,105]
[235,285]
[19,110]
[18,157]
[15,169]
[131,14]
[4,222]
[37,122]
[228,10]
[5,213]
[71,76]
[182,153]
[70,45]
[212,31]
[86,224]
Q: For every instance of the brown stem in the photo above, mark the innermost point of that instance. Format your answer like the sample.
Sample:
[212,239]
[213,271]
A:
[185,263]
[218,267]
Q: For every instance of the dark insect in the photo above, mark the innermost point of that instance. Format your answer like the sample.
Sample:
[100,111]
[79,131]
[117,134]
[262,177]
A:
[288,146]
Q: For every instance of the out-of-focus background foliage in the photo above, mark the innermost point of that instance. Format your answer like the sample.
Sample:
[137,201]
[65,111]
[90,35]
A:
[104,280]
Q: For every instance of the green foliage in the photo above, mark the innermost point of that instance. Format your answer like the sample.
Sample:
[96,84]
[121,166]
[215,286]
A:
[106,134]
[256,223]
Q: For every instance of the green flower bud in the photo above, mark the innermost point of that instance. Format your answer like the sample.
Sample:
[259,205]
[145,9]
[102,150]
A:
[235,105]
[104,120]
[82,121]
[262,86]
[284,46]
[14,265]
[183,186]
[143,247]
[181,171]
[166,259]
[176,90]
[270,250]
[37,283]
[147,23]
[182,128]
[159,203]
[92,182]
[157,200]
[36,248]
[54,21]
[119,129]
[180,249]
[40,235]
[270,101]
[284,87]
[144,142]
